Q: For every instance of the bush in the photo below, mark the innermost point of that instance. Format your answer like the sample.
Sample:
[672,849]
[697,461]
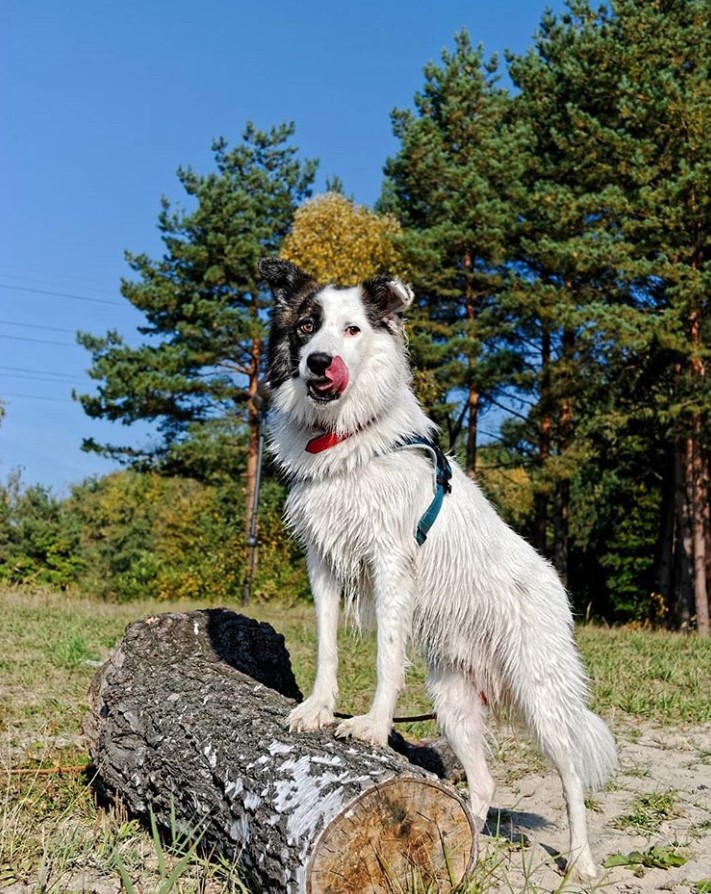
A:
[133,535]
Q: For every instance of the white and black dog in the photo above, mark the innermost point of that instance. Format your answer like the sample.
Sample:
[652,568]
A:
[365,487]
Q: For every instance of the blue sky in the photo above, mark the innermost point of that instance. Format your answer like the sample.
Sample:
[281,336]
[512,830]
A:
[101,102]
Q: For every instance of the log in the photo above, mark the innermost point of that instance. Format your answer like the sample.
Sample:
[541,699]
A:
[187,722]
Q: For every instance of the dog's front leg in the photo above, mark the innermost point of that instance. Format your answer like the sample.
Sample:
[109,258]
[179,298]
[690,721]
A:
[393,591]
[317,710]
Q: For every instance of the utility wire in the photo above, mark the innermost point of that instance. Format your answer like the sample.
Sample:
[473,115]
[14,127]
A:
[43,372]
[40,341]
[34,377]
[62,295]
[71,282]
[37,326]
[59,400]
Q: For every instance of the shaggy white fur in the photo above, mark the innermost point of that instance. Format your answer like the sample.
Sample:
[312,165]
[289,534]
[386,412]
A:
[490,612]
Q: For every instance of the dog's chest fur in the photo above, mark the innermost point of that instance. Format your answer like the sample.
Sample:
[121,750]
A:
[355,519]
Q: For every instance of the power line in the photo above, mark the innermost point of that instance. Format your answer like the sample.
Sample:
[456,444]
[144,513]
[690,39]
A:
[40,341]
[61,295]
[37,326]
[43,372]
[72,282]
[59,400]
[33,377]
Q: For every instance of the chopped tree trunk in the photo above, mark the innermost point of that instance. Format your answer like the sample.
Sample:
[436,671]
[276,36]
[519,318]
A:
[188,722]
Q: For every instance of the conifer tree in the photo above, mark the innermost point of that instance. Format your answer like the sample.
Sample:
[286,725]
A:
[195,372]
[454,184]
[619,101]
[565,255]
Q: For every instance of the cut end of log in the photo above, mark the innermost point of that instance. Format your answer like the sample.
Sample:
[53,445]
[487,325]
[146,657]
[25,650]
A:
[405,829]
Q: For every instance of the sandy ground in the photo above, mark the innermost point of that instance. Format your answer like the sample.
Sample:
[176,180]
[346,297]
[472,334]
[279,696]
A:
[653,761]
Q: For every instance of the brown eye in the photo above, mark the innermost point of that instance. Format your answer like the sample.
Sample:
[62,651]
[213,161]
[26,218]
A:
[306,327]
[352,330]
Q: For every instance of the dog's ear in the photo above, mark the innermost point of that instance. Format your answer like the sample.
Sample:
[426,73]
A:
[387,296]
[283,278]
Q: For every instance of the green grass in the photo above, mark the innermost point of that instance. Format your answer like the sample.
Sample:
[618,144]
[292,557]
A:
[652,675]
[53,835]
[649,811]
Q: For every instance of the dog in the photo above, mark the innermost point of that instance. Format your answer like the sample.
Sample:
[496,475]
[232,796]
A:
[388,522]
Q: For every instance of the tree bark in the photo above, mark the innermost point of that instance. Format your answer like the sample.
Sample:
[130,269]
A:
[561,506]
[473,396]
[254,422]
[472,431]
[698,485]
[683,554]
[540,499]
[188,720]
[665,551]
[699,490]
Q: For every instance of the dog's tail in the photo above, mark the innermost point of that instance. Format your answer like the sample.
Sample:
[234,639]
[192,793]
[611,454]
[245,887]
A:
[595,751]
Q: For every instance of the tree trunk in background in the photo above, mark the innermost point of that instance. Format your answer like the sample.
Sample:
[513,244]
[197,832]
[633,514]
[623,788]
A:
[188,723]
[254,422]
[683,553]
[561,511]
[540,497]
[695,467]
[664,571]
[472,432]
[473,395]
[561,506]
[697,479]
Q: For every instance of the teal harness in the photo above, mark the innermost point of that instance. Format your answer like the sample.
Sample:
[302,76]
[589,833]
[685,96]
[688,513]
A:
[442,475]
[442,471]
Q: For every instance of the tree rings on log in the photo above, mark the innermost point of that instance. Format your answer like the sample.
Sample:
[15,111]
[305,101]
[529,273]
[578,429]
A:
[400,830]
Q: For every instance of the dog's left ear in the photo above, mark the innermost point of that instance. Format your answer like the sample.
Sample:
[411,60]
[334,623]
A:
[283,278]
[388,296]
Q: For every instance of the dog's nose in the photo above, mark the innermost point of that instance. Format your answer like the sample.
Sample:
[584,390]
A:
[318,362]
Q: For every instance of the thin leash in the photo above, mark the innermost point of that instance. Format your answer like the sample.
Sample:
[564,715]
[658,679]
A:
[416,718]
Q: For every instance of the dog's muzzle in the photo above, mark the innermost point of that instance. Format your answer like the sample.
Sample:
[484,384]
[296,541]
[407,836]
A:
[329,376]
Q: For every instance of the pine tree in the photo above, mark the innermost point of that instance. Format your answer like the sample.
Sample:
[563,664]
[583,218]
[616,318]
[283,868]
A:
[196,371]
[619,101]
[454,184]
[565,256]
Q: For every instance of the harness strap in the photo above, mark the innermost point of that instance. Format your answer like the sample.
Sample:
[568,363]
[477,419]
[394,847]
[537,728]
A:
[442,474]
[441,471]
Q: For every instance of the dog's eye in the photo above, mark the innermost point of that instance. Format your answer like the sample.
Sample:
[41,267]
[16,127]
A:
[306,327]
[352,330]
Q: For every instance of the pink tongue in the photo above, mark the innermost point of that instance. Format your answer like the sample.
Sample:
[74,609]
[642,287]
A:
[337,375]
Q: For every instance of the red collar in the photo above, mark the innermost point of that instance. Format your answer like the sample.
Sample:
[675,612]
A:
[331,438]
[326,440]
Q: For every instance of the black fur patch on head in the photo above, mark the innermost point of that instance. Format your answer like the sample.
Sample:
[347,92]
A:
[384,299]
[283,278]
[296,317]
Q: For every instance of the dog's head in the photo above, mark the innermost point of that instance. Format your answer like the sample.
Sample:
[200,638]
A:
[331,346]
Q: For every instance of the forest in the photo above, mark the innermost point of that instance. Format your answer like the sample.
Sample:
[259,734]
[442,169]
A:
[553,214]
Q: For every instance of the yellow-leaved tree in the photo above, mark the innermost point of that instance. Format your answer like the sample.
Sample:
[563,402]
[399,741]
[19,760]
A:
[340,242]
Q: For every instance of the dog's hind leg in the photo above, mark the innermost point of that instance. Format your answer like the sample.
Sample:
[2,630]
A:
[461,714]
[555,738]
[317,710]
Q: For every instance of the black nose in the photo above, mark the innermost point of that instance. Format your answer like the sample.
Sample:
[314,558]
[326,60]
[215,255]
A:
[318,362]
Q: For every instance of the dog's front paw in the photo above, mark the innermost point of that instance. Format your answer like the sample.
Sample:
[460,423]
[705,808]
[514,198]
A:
[365,728]
[310,715]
